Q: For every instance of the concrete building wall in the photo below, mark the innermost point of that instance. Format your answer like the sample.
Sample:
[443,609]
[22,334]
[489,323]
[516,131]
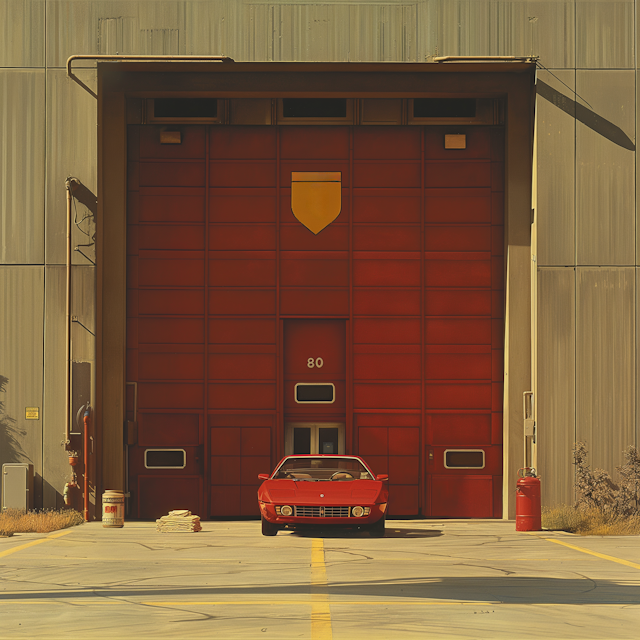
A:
[586,214]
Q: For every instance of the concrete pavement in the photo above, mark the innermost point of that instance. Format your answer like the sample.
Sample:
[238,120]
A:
[426,578]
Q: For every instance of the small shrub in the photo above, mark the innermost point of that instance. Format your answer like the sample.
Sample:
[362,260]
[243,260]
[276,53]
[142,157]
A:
[18,521]
[597,490]
[603,507]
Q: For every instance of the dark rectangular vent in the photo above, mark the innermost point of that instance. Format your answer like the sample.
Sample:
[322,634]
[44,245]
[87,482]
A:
[314,107]
[315,392]
[165,459]
[464,459]
[185,108]
[444,108]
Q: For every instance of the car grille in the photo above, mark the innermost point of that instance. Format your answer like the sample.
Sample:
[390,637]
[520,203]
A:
[322,512]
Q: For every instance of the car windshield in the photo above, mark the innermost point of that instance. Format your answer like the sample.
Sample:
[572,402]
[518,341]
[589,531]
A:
[322,468]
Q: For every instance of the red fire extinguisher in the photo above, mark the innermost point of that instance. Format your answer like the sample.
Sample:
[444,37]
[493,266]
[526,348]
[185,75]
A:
[528,510]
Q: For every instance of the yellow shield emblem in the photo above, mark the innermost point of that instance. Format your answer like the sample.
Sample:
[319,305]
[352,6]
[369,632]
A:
[316,198]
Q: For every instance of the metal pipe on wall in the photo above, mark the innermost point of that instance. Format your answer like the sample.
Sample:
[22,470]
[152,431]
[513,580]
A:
[67,405]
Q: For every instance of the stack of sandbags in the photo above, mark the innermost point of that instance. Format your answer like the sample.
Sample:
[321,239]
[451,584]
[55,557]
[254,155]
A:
[178,521]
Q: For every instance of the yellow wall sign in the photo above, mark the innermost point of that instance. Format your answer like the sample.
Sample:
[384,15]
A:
[316,198]
[32,413]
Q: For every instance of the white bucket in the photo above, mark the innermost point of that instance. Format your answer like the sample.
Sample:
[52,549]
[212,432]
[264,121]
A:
[113,508]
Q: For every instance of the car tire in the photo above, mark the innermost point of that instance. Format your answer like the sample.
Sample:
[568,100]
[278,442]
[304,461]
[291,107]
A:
[377,530]
[268,528]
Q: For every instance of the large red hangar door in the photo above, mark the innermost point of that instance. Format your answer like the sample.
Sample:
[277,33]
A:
[253,333]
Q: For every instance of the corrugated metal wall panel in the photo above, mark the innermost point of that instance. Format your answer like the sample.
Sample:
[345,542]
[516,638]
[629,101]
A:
[22,33]
[22,142]
[55,463]
[71,151]
[605,34]
[556,383]
[605,362]
[556,174]
[605,170]
[21,354]
[102,26]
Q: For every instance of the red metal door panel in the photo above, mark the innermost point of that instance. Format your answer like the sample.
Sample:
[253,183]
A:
[383,205]
[239,143]
[163,204]
[191,145]
[387,330]
[450,238]
[242,301]
[335,237]
[459,302]
[460,429]
[157,495]
[242,205]
[458,174]
[314,302]
[314,142]
[242,237]
[168,429]
[386,143]
[460,206]
[386,273]
[464,496]
[386,366]
[242,174]
[178,174]
[382,302]
[382,174]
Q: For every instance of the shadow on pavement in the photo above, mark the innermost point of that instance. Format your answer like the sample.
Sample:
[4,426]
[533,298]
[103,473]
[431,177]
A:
[496,590]
[390,532]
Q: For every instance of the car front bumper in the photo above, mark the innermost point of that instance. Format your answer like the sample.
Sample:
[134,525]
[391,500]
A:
[376,512]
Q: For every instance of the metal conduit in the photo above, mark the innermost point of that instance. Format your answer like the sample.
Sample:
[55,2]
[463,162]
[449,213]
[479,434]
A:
[67,405]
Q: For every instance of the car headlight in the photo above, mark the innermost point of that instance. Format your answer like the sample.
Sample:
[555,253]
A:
[286,510]
[357,512]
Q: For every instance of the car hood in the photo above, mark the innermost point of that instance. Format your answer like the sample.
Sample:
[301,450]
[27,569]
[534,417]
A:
[322,493]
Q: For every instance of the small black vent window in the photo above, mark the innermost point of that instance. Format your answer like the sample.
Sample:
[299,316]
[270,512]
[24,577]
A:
[165,459]
[444,108]
[319,393]
[185,108]
[314,107]
[464,459]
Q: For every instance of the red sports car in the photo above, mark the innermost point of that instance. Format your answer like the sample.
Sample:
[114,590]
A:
[323,490]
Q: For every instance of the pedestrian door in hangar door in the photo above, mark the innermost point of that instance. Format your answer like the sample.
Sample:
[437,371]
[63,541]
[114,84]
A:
[314,385]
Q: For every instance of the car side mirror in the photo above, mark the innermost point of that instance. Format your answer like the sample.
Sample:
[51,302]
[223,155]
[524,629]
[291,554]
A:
[263,476]
[382,477]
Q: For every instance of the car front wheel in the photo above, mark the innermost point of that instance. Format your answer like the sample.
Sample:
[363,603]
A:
[377,529]
[268,528]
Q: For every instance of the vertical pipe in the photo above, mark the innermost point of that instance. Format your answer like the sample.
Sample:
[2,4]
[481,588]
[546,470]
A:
[87,420]
[67,404]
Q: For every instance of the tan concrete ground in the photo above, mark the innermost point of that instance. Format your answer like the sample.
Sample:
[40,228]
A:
[425,579]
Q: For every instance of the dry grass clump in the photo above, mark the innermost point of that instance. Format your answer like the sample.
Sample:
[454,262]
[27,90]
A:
[589,522]
[18,521]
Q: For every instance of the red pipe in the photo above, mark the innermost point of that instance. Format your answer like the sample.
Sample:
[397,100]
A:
[87,422]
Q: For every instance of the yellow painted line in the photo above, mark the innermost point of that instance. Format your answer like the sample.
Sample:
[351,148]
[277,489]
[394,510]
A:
[633,565]
[57,534]
[320,609]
